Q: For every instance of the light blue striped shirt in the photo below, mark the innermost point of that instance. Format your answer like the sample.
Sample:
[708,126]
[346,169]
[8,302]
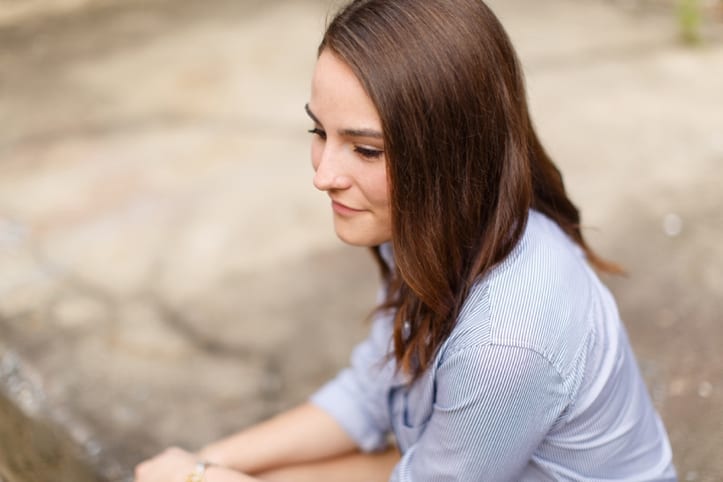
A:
[536,382]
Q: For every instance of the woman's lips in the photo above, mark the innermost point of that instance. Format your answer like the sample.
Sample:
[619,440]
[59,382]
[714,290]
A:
[343,209]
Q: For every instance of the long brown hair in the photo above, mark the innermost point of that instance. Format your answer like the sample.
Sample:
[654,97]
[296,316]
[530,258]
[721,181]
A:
[464,162]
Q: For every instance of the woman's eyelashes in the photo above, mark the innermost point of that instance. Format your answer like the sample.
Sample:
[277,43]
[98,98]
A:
[365,152]
[368,153]
[318,132]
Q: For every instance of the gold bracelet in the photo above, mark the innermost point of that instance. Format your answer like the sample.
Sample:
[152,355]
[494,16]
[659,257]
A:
[198,471]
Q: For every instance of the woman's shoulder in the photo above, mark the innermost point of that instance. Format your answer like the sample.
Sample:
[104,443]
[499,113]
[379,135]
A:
[540,298]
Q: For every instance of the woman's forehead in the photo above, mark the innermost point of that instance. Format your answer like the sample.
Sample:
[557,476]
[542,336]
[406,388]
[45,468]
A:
[337,94]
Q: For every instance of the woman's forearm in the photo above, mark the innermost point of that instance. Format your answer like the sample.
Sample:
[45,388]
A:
[303,434]
[175,464]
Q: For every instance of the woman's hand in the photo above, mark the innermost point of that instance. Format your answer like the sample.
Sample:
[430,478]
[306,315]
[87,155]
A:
[175,465]
[171,465]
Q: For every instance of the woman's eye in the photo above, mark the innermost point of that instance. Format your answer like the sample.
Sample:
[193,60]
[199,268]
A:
[368,152]
[318,132]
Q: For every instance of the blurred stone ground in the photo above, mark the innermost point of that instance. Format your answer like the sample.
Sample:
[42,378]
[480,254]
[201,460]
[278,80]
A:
[169,274]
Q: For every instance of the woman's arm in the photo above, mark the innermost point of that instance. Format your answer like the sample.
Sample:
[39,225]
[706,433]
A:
[356,467]
[494,406]
[175,465]
[313,431]
[303,434]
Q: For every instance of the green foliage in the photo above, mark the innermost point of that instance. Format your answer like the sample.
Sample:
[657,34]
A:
[690,19]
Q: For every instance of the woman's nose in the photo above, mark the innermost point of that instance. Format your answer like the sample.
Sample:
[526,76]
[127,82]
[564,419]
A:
[330,174]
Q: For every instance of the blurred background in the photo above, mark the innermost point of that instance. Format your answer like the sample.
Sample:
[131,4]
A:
[168,274]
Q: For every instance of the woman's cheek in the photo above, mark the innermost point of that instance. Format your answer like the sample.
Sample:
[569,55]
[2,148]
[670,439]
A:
[316,153]
[380,185]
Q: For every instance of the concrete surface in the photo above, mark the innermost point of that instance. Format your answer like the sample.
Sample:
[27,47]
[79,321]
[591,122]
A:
[169,274]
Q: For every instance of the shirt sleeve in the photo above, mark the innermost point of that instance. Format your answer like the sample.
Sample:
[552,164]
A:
[494,405]
[356,398]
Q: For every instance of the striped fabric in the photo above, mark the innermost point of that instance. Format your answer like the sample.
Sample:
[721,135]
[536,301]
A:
[536,382]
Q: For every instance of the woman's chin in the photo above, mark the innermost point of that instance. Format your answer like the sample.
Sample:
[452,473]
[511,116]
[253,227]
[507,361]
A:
[361,239]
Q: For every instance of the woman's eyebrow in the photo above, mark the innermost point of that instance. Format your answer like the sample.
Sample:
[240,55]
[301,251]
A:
[361,133]
[311,114]
[375,134]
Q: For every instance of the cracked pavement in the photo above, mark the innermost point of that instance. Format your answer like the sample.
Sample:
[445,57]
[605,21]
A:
[169,274]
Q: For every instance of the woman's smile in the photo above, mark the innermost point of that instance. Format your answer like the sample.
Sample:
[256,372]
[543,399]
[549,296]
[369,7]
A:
[344,210]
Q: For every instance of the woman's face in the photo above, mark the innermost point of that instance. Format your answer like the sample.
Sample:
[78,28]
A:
[347,152]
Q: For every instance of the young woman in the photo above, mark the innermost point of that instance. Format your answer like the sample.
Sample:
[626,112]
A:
[496,353]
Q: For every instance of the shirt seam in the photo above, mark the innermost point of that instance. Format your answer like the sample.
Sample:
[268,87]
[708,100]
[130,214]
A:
[509,344]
